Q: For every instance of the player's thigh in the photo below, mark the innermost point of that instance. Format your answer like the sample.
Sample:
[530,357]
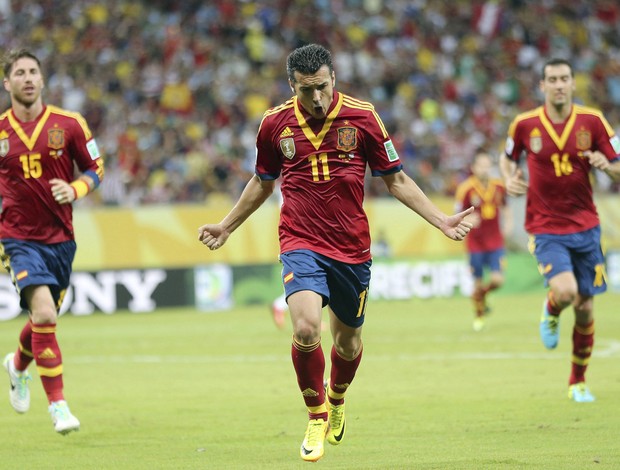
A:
[348,285]
[304,270]
[553,256]
[476,264]
[589,269]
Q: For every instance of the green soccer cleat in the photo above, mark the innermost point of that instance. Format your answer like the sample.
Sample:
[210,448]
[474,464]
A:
[580,393]
[19,393]
[312,447]
[549,328]
[64,421]
[335,432]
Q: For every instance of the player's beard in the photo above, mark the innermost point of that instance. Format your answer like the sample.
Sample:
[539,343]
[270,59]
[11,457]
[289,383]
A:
[26,100]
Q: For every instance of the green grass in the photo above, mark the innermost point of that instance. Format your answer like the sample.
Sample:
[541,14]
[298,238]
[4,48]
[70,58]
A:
[179,389]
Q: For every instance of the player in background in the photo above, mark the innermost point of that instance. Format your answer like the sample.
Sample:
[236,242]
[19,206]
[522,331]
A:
[40,146]
[321,141]
[491,220]
[562,142]
[278,310]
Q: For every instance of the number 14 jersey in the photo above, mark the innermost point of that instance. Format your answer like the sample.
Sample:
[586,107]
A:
[559,197]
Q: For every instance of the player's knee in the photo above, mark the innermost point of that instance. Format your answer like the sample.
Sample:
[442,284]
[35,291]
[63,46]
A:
[564,295]
[306,332]
[44,316]
[348,350]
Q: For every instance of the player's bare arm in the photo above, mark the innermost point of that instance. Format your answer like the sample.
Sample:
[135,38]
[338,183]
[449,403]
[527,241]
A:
[403,188]
[254,195]
[513,177]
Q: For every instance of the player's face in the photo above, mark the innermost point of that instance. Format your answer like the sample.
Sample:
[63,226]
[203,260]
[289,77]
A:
[315,92]
[25,82]
[481,167]
[558,85]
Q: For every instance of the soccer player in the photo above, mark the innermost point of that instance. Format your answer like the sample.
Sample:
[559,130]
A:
[485,242]
[278,310]
[39,147]
[321,142]
[562,142]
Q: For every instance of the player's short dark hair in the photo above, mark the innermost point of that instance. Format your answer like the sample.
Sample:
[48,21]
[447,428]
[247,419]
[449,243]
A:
[557,61]
[307,60]
[13,56]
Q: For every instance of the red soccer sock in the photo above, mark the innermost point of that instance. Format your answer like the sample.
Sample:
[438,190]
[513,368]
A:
[309,364]
[49,360]
[490,287]
[479,302]
[583,340]
[23,355]
[342,374]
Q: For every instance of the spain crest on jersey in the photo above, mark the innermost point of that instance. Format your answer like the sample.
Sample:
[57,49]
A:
[584,139]
[347,139]
[288,147]
[56,138]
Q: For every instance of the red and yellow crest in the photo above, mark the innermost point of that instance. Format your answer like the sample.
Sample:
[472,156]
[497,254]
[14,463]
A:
[347,139]
[584,139]
[56,138]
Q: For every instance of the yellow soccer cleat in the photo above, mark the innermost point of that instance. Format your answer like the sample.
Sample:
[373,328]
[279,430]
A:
[312,447]
[335,433]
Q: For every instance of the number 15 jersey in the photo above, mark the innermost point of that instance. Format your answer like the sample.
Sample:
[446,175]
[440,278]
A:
[323,164]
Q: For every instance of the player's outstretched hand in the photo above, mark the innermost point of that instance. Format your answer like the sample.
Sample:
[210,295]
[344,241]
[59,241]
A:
[597,159]
[212,235]
[456,227]
[516,184]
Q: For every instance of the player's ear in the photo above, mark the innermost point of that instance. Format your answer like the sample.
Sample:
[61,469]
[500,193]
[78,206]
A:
[290,83]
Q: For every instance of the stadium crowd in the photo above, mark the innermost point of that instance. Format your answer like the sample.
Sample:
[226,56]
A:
[174,90]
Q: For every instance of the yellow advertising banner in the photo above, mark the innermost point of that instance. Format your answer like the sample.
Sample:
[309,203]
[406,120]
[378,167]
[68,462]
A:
[167,236]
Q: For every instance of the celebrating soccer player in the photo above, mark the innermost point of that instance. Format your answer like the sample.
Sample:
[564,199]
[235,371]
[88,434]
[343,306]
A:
[321,142]
[39,147]
[562,142]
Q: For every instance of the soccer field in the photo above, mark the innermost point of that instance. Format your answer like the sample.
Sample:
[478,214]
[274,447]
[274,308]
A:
[179,389]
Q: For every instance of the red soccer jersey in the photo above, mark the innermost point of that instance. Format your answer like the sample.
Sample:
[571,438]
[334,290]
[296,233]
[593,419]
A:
[323,163]
[559,197]
[487,201]
[33,153]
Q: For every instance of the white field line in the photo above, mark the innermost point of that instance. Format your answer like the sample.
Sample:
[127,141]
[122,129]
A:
[605,350]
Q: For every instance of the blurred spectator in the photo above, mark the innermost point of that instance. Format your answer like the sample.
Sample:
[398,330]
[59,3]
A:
[167,83]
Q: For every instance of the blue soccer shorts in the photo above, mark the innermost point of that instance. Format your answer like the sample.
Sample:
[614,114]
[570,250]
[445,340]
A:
[343,286]
[33,264]
[579,253]
[489,259]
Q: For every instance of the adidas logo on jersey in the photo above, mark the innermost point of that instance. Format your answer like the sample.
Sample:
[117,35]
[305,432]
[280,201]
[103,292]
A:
[287,132]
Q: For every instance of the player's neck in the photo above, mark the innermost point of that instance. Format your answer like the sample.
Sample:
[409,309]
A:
[558,113]
[27,113]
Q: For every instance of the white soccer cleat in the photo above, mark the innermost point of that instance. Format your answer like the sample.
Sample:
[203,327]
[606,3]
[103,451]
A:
[64,421]
[19,393]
